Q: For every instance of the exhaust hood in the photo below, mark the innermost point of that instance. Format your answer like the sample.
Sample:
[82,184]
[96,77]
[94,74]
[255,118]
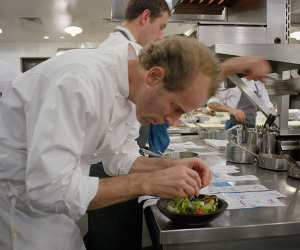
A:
[184,10]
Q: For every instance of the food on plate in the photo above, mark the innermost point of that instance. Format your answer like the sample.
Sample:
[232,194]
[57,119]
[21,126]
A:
[201,205]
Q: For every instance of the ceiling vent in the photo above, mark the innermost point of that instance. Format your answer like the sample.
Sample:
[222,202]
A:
[35,20]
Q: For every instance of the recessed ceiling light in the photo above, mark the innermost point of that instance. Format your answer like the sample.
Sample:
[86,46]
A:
[62,37]
[73,30]
[0,30]
[295,35]
[46,37]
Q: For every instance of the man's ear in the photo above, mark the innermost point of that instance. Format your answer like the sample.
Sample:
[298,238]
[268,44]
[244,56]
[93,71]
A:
[145,17]
[155,76]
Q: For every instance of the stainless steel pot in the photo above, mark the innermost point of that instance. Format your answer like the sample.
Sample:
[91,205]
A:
[273,162]
[294,168]
[268,161]
[236,154]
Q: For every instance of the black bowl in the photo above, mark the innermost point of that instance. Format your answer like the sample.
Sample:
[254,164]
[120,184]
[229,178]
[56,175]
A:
[191,220]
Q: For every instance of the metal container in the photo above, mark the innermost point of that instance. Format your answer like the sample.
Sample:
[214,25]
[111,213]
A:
[259,141]
[203,133]
[273,162]
[269,142]
[236,154]
[294,168]
[252,140]
[294,171]
[180,155]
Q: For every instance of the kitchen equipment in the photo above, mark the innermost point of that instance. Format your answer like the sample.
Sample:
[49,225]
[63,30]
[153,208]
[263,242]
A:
[237,133]
[294,168]
[203,133]
[174,155]
[283,87]
[273,162]
[235,154]
[252,140]
[191,220]
[269,142]
[179,155]
[150,153]
[268,161]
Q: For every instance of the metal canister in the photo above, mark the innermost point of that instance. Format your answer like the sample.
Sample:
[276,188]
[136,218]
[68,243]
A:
[252,140]
[269,142]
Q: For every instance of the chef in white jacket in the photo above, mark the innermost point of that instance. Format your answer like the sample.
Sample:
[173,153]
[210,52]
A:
[82,107]
[238,105]
[144,22]
[8,73]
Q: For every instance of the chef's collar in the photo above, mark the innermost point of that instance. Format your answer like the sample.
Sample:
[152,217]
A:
[128,33]
[123,81]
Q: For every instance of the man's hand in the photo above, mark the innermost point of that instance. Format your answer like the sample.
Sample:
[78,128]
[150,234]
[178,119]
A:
[239,115]
[207,111]
[200,167]
[254,67]
[179,181]
[184,179]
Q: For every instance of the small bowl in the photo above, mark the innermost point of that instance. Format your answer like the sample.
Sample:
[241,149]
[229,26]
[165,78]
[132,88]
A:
[191,220]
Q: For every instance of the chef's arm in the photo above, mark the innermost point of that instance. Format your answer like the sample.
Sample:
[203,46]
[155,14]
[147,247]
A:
[172,182]
[184,179]
[253,67]
[145,164]
[238,114]
[117,189]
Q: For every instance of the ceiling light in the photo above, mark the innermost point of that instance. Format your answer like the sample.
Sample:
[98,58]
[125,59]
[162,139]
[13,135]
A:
[46,37]
[73,30]
[0,30]
[295,35]
[62,37]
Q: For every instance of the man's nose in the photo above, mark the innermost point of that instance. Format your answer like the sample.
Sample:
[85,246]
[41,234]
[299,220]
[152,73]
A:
[172,119]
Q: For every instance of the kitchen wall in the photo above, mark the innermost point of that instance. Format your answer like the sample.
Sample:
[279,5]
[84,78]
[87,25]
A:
[13,52]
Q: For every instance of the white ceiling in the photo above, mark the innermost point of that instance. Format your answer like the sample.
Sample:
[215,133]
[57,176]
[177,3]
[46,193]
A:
[92,15]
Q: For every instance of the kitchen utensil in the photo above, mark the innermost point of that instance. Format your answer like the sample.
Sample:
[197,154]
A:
[273,162]
[191,220]
[252,140]
[250,94]
[235,153]
[269,161]
[150,153]
[283,87]
[294,168]
[269,142]
[179,155]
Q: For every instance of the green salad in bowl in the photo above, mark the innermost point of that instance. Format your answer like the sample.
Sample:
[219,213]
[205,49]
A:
[203,204]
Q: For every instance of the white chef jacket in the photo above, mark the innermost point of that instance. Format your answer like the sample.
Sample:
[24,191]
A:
[119,36]
[231,96]
[61,116]
[8,73]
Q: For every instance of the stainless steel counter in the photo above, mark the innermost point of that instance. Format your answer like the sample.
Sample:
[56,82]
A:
[257,228]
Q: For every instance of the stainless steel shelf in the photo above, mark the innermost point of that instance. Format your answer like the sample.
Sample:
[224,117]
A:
[283,56]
